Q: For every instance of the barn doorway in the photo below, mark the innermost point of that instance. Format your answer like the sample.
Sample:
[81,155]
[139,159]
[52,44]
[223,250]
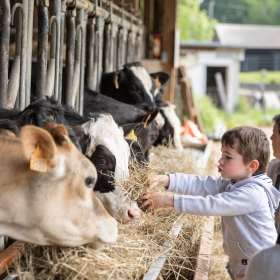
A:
[211,87]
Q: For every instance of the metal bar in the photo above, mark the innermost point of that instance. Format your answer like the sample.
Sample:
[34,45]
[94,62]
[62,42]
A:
[53,65]
[90,37]
[42,49]
[70,54]
[4,50]
[131,46]
[113,47]
[100,23]
[22,55]
[62,20]
[14,81]
[56,34]
[106,48]
[29,51]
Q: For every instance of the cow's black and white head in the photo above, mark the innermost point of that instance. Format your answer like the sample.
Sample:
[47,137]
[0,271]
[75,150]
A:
[104,144]
[132,85]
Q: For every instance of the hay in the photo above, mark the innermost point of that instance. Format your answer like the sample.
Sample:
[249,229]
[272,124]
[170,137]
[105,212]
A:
[139,242]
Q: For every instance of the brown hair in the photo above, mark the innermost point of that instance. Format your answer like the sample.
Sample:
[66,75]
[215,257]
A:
[251,143]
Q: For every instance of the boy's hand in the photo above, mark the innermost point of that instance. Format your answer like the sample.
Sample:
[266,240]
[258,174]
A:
[163,179]
[156,200]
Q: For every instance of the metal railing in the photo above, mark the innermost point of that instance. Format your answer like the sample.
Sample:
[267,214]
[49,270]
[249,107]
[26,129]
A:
[100,35]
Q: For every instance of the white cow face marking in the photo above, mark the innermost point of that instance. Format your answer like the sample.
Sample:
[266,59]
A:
[170,114]
[103,131]
[141,73]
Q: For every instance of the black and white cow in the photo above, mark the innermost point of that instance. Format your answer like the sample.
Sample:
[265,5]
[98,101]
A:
[132,85]
[102,141]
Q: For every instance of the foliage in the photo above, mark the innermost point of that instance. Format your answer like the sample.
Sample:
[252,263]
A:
[254,77]
[194,24]
[263,12]
[244,114]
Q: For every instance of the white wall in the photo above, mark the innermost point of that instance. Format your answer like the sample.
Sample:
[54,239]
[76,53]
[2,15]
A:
[197,62]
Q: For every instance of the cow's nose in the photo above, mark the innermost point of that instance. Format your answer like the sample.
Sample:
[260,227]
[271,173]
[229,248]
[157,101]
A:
[132,214]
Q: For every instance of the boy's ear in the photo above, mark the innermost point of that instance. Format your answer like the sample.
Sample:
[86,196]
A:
[253,166]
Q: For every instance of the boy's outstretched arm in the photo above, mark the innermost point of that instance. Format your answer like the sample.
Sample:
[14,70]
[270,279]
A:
[190,184]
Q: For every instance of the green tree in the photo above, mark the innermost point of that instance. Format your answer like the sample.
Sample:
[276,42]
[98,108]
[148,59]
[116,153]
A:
[262,12]
[194,24]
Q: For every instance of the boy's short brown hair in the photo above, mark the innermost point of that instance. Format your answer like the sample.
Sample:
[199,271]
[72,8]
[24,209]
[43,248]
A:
[251,143]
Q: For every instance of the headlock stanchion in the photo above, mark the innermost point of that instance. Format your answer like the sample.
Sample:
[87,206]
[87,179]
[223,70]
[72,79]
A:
[101,36]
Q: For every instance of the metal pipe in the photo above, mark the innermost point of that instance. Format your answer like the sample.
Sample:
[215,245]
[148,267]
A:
[4,50]
[42,49]
[90,37]
[29,51]
[56,33]
[70,54]
[52,82]
[62,20]
[80,54]
[22,55]
[14,81]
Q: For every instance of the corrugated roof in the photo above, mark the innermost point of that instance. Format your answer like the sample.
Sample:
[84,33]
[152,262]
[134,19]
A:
[250,36]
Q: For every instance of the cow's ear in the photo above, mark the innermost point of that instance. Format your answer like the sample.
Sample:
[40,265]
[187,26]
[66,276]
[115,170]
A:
[118,78]
[39,147]
[131,129]
[149,117]
[161,77]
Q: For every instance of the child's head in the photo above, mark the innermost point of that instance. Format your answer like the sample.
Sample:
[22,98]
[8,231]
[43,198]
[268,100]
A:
[251,144]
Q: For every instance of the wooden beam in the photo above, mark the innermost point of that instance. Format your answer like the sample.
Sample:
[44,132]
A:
[10,255]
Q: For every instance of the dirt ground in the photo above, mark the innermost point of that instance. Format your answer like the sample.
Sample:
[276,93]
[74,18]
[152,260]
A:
[219,259]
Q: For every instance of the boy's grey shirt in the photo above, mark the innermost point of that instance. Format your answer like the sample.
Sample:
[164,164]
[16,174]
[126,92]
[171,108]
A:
[247,209]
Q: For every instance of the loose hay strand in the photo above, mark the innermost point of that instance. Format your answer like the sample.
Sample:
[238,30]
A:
[139,242]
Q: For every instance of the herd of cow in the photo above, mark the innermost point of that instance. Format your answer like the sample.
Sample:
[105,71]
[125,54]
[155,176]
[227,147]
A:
[57,167]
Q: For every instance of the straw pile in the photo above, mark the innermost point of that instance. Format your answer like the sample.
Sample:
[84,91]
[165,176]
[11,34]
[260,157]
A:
[139,243]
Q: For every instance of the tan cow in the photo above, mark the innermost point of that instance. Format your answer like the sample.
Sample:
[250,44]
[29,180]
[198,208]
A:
[53,203]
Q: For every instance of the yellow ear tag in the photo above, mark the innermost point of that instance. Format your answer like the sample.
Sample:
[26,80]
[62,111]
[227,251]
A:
[132,135]
[37,162]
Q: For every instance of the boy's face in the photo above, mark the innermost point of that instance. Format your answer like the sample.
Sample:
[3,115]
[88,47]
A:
[275,138]
[231,165]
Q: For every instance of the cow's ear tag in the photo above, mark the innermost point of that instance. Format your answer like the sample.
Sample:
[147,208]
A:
[132,135]
[158,83]
[37,162]
[116,82]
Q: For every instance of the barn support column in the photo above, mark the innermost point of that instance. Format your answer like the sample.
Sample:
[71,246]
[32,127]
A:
[42,48]
[4,50]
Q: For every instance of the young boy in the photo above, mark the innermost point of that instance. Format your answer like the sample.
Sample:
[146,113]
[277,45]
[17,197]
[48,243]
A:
[243,196]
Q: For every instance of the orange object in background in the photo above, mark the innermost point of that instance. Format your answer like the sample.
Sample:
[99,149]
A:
[191,128]
[157,46]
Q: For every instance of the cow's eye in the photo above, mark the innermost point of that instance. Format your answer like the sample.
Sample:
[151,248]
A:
[153,138]
[133,88]
[101,161]
[89,181]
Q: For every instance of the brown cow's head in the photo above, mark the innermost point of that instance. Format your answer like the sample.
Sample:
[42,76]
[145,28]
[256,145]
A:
[46,191]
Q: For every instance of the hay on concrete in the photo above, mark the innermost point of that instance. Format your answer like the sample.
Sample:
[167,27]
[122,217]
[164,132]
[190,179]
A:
[139,242]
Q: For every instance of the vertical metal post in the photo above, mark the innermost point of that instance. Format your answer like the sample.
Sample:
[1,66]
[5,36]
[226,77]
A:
[29,51]
[100,23]
[90,53]
[106,48]
[42,48]
[22,55]
[80,52]
[14,79]
[70,54]
[57,13]
[4,49]
[122,47]
[62,20]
